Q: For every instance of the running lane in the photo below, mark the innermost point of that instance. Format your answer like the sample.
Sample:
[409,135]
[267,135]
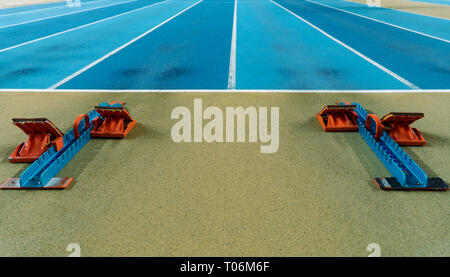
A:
[190,52]
[421,60]
[42,64]
[426,24]
[38,14]
[26,32]
[276,50]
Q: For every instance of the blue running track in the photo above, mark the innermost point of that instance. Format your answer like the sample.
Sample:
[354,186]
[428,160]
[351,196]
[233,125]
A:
[222,44]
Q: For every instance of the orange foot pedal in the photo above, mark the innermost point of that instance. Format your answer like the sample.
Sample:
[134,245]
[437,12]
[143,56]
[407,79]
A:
[398,127]
[338,118]
[116,123]
[42,133]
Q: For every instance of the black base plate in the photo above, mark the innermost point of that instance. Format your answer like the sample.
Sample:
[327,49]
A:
[391,183]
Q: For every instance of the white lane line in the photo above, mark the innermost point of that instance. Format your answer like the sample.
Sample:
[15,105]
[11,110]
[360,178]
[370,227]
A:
[379,21]
[79,27]
[396,76]
[55,16]
[287,91]
[63,81]
[49,8]
[232,70]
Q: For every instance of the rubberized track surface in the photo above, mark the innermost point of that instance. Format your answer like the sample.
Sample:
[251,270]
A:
[212,44]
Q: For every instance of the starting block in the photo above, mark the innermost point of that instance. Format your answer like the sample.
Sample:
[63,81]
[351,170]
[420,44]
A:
[407,174]
[338,118]
[41,173]
[42,133]
[398,127]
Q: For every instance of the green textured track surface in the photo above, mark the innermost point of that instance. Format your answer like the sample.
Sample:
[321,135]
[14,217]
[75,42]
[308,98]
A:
[148,196]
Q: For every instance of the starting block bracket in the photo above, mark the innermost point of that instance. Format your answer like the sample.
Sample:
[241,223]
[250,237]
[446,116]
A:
[54,183]
[391,183]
